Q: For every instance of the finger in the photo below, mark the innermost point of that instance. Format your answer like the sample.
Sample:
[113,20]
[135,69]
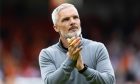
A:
[74,41]
[70,56]
[77,50]
[80,48]
[77,44]
[77,53]
[74,54]
[72,49]
[70,39]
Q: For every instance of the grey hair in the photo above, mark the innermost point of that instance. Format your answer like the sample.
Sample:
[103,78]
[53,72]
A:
[58,9]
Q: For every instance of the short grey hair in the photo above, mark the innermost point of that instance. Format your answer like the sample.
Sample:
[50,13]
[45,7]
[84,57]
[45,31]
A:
[58,9]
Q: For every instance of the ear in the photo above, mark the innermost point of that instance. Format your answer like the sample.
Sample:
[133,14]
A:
[56,28]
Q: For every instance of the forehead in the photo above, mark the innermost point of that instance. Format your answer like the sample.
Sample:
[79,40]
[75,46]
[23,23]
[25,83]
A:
[67,12]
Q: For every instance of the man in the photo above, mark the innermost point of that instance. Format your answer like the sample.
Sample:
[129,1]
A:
[74,59]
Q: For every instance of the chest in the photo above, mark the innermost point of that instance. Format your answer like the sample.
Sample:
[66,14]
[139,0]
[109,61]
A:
[88,57]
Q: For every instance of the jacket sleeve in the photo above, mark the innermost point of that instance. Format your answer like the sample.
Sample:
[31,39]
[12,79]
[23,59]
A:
[49,73]
[104,73]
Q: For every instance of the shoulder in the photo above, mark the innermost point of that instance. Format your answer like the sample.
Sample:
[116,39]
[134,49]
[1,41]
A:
[91,43]
[94,46]
[47,52]
[51,48]
[98,48]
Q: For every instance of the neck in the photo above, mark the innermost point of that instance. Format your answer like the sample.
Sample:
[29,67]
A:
[64,42]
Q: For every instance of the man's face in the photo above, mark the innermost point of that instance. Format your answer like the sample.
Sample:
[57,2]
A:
[68,23]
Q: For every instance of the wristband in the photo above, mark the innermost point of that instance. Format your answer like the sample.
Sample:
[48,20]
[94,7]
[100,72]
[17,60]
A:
[85,68]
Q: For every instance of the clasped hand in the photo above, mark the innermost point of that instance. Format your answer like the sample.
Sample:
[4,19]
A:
[74,51]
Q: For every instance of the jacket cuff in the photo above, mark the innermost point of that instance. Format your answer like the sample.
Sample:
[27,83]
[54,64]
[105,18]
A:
[68,65]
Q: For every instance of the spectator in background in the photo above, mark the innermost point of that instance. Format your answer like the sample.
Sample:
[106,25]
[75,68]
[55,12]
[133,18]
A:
[74,59]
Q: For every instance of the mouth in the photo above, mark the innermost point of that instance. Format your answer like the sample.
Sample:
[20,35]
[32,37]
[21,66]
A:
[73,29]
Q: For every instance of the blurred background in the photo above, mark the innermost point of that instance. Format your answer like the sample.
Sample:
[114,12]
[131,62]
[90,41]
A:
[26,28]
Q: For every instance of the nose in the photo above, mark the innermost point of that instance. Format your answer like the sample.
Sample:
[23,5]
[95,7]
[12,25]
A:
[72,21]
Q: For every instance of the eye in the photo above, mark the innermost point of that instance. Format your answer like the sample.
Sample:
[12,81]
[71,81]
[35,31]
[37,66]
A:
[65,19]
[75,17]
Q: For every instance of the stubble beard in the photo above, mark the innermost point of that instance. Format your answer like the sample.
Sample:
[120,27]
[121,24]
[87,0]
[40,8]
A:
[73,34]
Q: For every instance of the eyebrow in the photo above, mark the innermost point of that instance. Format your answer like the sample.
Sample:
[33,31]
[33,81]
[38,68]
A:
[65,18]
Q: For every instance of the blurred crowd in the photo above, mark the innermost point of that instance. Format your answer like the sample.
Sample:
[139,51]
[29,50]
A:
[26,28]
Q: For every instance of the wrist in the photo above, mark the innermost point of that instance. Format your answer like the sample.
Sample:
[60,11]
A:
[80,67]
[83,69]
